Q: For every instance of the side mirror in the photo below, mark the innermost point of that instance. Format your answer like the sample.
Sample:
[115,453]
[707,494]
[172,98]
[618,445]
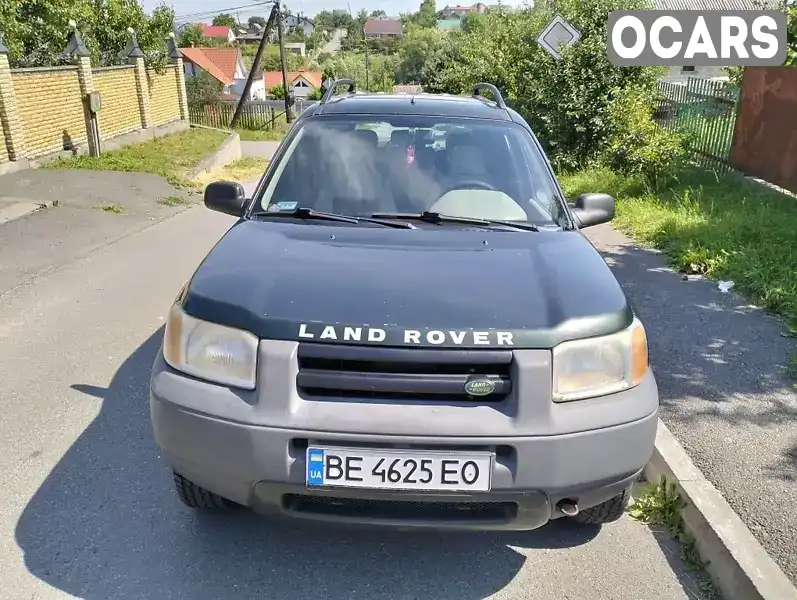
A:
[226,197]
[593,209]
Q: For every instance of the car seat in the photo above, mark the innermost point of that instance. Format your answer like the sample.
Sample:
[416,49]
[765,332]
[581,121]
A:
[354,179]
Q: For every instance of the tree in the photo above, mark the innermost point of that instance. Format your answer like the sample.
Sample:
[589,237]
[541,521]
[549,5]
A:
[256,20]
[270,61]
[417,46]
[331,20]
[202,88]
[296,35]
[36,32]
[277,92]
[426,15]
[191,36]
[225,19]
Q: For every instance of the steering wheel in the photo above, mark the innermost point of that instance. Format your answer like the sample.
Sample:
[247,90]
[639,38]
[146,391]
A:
[470,184]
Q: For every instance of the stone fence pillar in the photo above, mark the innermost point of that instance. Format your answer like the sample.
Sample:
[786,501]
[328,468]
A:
[10,122]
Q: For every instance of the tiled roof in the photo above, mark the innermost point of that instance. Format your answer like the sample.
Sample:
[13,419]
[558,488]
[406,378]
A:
[219,62]
[216,31]
[383,26]
[272,78]
[714,4]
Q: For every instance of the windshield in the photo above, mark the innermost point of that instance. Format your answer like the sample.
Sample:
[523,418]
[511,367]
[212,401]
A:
[360,165]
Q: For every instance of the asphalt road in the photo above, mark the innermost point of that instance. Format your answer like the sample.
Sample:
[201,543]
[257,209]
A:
[724,388]
[86,505]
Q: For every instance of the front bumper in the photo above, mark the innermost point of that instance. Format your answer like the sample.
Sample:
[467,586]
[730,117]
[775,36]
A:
[264,467]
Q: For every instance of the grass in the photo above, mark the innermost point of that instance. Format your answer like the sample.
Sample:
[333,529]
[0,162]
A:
[264,135]
[722,226]
[711,135]
[112,208]
[241,170]
[172,201]
[660,504]
[172,157]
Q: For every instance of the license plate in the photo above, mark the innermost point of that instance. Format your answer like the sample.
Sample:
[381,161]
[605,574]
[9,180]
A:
[399,469]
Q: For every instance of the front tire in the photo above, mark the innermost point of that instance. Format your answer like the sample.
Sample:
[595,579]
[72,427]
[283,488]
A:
[606,512]
[198,498]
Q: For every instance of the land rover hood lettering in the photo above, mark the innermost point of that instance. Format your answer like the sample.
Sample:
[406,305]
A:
[438,288]
[411,337]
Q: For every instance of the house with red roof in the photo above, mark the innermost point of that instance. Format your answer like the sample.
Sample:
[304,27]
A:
[302,82]
[225,65]
[383,28]
[219,33]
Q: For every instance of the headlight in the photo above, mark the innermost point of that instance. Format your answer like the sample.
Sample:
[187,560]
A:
[598,366]
[210,351]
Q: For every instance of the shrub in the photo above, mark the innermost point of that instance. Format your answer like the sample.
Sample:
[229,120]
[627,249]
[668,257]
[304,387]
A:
[638,145]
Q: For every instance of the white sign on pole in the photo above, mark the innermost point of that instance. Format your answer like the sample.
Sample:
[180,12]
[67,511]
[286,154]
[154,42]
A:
[558,34]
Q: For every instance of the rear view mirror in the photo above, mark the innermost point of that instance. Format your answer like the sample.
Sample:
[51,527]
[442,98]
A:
[593,209]
[228,197]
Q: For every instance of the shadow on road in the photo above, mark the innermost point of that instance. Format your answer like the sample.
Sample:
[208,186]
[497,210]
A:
[715,356]
[106,524]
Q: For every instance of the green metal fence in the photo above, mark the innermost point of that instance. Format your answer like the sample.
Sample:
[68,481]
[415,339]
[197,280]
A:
[704,110]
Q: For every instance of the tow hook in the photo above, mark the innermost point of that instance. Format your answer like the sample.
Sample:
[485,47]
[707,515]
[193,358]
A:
[568,507]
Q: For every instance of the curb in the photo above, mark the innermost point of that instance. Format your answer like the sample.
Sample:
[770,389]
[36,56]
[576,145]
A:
[229,151]
[23,208]
[739,565]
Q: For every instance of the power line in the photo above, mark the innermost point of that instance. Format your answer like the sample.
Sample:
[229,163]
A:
[209,13]
[227,9]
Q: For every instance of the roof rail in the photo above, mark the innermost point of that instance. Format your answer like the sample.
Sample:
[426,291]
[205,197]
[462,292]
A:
[331,91]
[499,99]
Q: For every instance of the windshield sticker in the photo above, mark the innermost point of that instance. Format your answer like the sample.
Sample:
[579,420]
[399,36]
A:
[404,337]
[280,206]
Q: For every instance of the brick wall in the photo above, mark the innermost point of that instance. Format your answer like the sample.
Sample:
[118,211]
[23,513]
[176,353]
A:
[120,110]
[164,101]
[43,112]
[49,106]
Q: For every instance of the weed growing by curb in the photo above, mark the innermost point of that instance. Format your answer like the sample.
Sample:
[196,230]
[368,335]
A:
[172,201]
[791,369]
[661,504]
[112,208]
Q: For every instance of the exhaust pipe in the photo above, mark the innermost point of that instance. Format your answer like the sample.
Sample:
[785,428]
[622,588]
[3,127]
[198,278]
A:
[567,507]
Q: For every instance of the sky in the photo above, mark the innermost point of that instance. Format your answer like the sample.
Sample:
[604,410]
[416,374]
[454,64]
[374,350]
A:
[203,10]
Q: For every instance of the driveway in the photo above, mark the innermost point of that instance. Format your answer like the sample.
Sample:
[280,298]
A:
[93,208]
[87,508]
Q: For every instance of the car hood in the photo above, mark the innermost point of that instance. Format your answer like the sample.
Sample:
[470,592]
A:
[437,286]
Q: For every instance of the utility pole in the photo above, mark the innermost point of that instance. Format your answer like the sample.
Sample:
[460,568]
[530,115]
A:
[288,117]
[255,65]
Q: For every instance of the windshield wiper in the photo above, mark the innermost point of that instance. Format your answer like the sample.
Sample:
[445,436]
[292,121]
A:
[437,218]
[309,213]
